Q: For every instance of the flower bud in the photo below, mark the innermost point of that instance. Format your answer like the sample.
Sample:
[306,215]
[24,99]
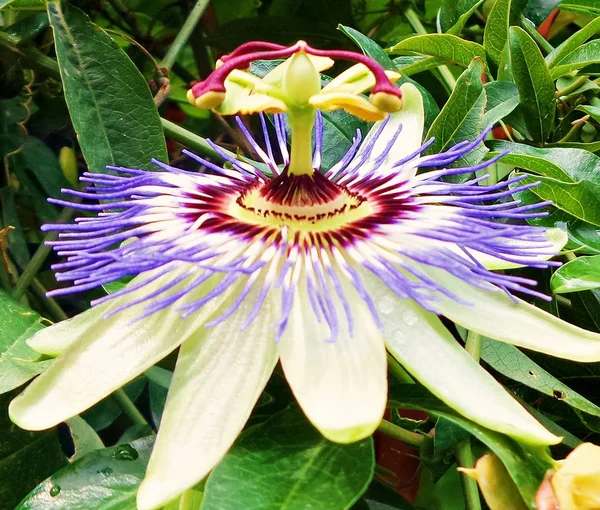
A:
[576,482]
[496,485]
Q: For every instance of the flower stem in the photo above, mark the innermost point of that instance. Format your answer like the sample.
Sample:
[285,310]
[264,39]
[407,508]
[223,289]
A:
[301,126]
[415,22]
[464,458]
[406,436]
[184,33]
[572,86]
[39,257]
[464,455]
[56,313]
[128,407]
[31,57]
[473,345]
[574,131]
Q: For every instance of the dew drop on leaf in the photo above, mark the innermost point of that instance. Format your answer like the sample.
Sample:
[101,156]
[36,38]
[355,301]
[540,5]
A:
[125,452]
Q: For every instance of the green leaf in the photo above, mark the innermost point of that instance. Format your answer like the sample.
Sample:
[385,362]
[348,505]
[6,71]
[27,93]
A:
[582,273]
[368,46]
[22,5]
[535,84]
[564,164]
[84,437]
[443,494]
[447,435]
[460,119]
[590,302]
[587,7]
[454,14]
[109,100]
[579,58]
[592,111]
[463,16]
[583,236]
[569,177]
[451,48]
[26,458]
[408,65]
[514,364]
[104,479]
[538,10]
[382,497]
[43,164]
[569,439]
[573,42]
[526,465]
[495,34]
[285,463]
[17,360]
[502,99]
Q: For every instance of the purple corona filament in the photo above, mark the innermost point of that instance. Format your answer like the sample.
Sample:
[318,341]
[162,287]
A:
[320,231]
[244,55]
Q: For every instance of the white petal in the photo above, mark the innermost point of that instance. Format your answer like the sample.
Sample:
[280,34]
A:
[219,376]
[497,316]
[105,355]
[412,118]
[421,343]
[57,339]
[341,385]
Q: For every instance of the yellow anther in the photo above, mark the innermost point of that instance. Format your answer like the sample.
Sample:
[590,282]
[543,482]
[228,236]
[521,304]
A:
[354,104]
[208,100]
[385,102]
[261,103]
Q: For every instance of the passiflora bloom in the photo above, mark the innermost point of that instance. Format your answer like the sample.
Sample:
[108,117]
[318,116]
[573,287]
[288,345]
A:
[249,263]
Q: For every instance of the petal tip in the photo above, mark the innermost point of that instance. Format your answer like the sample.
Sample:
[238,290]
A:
[349,434]
[25,416]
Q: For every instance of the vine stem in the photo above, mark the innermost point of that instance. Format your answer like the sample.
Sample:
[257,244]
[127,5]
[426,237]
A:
[128,407]
[415,22]
[39,257]
[473,345]
[464,454]
[185,33]
[406,436]
[464,457]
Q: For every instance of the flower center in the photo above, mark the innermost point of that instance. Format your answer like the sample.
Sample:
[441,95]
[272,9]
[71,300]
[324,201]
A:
[301,202]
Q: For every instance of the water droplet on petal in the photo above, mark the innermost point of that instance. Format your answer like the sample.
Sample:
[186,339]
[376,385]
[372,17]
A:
[386,304]
[125,452]
[409,318]
[54,490]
